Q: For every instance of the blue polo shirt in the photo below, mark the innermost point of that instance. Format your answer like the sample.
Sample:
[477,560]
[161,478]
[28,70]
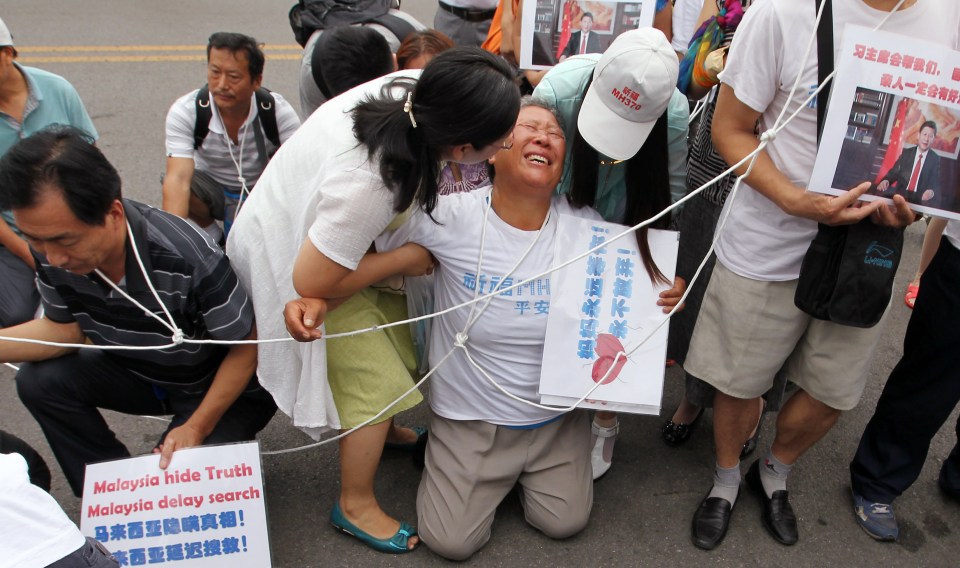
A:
[50,100]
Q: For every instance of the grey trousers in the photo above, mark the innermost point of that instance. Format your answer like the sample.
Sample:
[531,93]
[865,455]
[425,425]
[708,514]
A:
[91,555]
[461,31]
[472,465]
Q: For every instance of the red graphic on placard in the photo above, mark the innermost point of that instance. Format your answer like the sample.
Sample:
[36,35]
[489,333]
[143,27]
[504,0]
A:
[607,348]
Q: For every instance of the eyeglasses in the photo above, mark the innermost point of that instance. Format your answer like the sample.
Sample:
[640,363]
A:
[553,135]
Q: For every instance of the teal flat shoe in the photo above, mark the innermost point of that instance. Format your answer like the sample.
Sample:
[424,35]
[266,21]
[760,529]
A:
[420,431]
[397,544]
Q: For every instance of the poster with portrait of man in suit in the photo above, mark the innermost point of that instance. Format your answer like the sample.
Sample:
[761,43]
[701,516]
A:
[554,30]
[893,121]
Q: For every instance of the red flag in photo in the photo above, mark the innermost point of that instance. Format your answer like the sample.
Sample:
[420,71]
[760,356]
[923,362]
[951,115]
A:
[565,26]
[896,140]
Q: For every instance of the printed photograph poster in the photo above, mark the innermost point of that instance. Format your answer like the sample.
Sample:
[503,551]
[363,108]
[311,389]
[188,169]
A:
[894,121]
[553,30]
[603,304]
[206,509]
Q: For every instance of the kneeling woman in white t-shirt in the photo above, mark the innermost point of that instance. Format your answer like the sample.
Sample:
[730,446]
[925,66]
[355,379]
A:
[483,442]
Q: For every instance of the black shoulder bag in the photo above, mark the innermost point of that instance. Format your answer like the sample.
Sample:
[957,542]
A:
[848,271]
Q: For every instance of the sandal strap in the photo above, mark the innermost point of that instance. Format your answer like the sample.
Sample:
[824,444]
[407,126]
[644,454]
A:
[605,432]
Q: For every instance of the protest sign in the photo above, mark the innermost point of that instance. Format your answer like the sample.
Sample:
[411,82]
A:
[206,509]
[603,304]
[893,98]
[552,30]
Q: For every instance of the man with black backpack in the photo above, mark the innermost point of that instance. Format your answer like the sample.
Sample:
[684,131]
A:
[221,136]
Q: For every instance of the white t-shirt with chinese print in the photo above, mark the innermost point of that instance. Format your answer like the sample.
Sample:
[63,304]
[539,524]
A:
[507,339]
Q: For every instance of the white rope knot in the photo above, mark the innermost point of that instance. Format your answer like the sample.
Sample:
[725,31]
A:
[768,135]
[177,337]
[460,340]
[408,108]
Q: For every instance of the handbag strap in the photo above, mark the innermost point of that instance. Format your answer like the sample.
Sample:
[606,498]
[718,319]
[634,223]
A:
[824,61]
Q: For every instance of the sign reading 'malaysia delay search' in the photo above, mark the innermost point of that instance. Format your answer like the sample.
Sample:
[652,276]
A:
[205,509]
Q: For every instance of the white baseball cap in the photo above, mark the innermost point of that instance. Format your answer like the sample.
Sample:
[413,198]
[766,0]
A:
[632,86]
[5,37]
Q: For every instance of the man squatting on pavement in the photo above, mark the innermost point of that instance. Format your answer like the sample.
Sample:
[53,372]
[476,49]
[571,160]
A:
[87,242]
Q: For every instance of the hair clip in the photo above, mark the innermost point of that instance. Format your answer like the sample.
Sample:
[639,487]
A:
[408,108]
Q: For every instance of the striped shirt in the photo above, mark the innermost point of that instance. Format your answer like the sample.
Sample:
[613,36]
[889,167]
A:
[190,274]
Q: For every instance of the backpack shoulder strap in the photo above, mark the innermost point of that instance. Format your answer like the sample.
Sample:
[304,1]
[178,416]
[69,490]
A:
[267,115]
[824,61]
[202,125]
[397,25]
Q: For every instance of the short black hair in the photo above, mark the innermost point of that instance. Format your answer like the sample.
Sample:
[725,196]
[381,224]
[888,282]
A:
[234,43]
[929,124]
[352,55]
[587,15]
[62,158]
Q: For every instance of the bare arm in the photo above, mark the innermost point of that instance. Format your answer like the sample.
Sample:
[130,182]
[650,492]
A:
[231,379]
[663,20]
[15,244]
[42,329]
[510,32]
[733,135]
[176,186]
[317,276]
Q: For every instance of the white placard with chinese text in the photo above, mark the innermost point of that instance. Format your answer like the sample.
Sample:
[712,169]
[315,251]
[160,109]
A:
[206,509]
[893,98]
[602,304]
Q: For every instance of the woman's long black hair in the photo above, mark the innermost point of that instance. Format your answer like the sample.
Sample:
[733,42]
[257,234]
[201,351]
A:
[465,95]
[647,180]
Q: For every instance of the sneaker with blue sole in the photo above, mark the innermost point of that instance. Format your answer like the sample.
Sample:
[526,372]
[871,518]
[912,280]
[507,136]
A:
[876,519]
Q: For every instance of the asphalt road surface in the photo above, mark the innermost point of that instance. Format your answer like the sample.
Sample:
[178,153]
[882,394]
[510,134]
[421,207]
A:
[130,59]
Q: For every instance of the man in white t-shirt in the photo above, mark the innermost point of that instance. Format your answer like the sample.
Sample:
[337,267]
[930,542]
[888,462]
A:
[749,327]
[220,137]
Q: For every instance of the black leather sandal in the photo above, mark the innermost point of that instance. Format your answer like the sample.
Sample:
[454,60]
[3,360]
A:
[677,434]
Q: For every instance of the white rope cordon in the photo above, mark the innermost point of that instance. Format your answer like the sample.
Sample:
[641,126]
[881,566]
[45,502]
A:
[244,192]
[461,338]
[367,421]
[160,418]
[697,109]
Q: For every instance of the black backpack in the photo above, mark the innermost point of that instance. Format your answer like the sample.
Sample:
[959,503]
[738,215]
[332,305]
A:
[266,116]
[308,16]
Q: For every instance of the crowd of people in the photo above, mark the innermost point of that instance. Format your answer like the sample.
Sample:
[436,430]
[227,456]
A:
[422,158]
